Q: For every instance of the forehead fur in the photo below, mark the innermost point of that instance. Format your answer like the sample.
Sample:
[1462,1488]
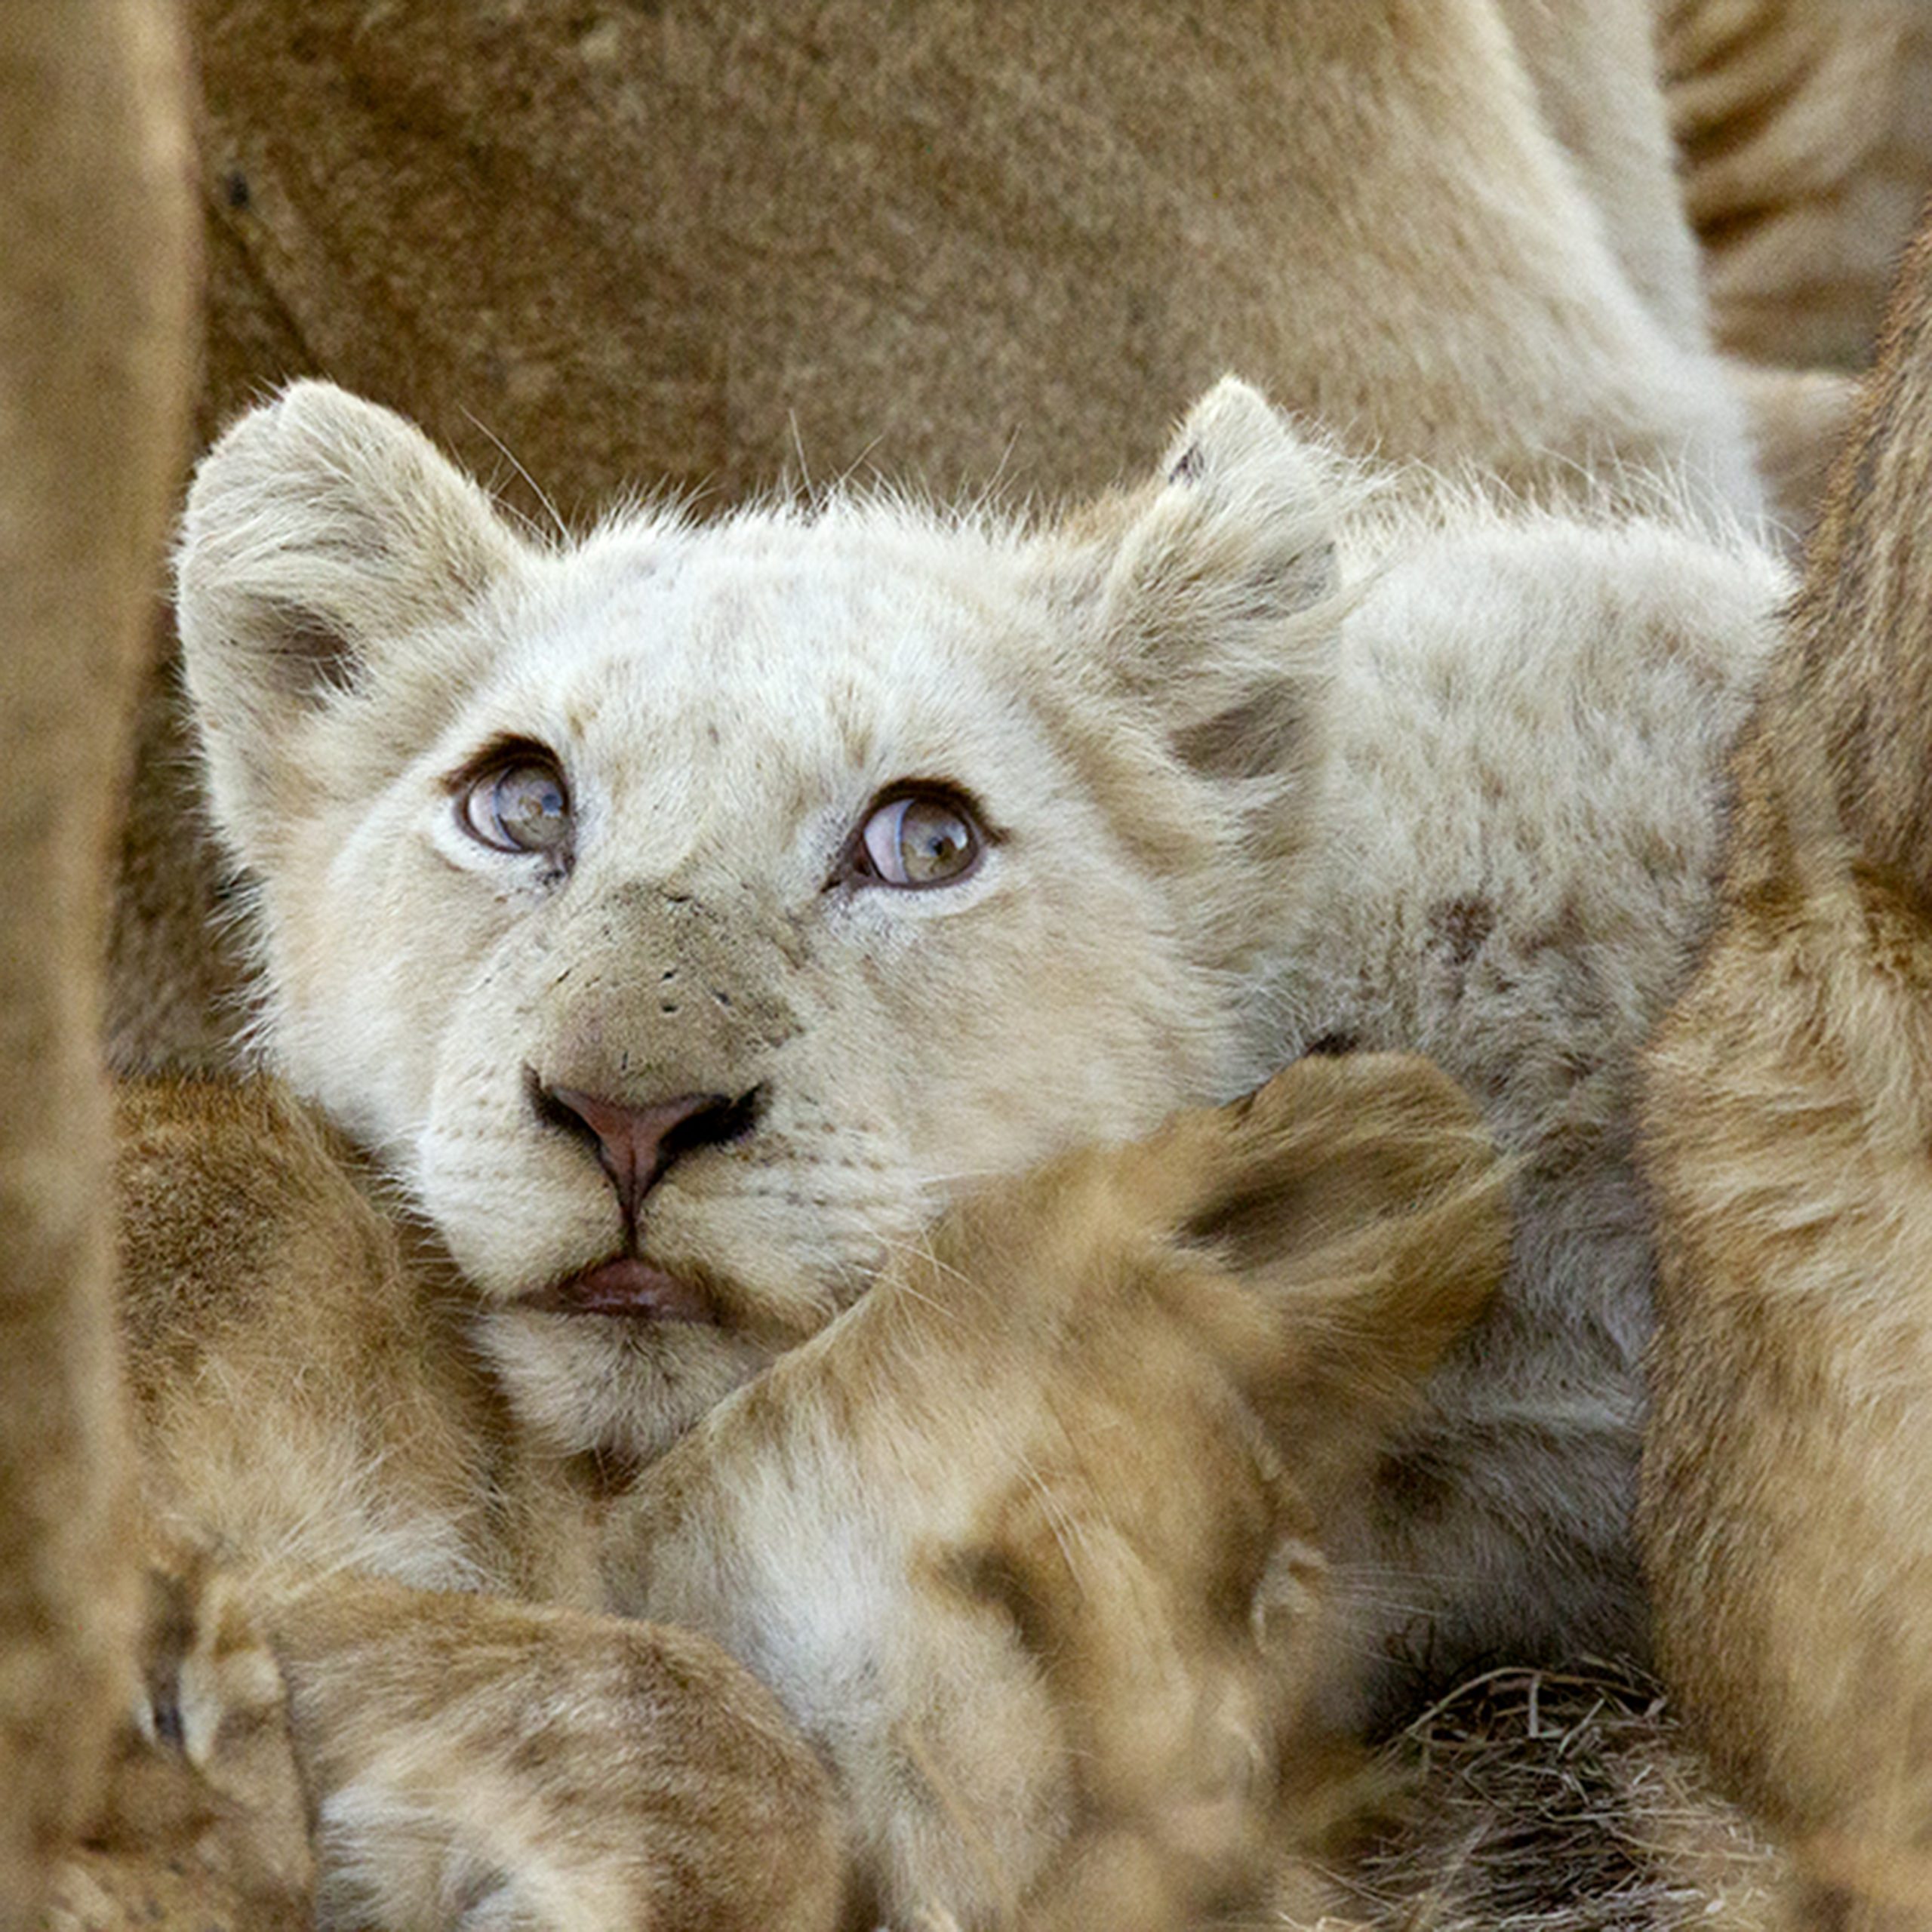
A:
[779,669]
[774,615]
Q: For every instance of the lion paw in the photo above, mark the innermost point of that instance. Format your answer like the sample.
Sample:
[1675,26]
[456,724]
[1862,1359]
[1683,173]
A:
[206,1818]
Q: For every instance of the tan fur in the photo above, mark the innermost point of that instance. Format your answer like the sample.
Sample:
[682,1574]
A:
[95,311]
[1799,419]
[1067,1685]
[1786,1124]
[206,1817]
[1807,147]
[1078,1450]
[992,241]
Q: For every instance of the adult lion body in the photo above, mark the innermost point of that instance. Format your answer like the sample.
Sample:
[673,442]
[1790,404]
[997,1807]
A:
[1785,1474]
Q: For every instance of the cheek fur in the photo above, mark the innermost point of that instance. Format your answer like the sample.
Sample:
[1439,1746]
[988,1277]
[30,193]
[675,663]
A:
[1070,1011]
[369,1025]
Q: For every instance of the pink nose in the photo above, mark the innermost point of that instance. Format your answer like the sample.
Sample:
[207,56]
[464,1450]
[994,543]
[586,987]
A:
[636,1145]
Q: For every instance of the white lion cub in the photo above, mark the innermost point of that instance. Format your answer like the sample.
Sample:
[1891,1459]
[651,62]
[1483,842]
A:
[683,915]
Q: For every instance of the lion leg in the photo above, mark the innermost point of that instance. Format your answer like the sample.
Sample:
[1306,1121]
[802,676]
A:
[1806,156]
[1594,64]
[96,242]
[1548,345]
[1783,1516]
[1596,72]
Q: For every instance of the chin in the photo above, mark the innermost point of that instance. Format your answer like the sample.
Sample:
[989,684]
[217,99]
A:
[617,1388]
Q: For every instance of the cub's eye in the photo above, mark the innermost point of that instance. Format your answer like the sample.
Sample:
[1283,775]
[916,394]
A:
[520,806]
[921,838]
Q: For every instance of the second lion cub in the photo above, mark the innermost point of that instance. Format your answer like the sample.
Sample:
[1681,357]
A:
[1025,1541]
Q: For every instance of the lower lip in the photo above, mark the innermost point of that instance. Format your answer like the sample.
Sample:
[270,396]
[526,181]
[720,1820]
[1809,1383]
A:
[628,1287]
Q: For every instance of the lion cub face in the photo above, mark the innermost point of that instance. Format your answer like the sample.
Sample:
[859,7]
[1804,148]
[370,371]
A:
[685,913]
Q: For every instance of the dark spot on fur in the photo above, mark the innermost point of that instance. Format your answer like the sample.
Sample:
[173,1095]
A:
[478,1894]
[1188,466]
[1332,1046]
[603,1472]
[235,189]
[992,1578]
[1570,931]
[312,658]
[1463,925]
[171,1623]
[168,1727]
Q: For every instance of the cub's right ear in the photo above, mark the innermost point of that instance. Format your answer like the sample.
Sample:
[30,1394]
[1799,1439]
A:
[327,546]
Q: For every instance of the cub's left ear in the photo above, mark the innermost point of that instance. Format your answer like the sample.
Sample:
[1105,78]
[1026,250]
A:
[1215,561]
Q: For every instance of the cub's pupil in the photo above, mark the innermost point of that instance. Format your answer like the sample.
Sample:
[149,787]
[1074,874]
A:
[933,840]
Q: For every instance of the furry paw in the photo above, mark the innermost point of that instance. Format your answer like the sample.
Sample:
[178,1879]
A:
[206,1819]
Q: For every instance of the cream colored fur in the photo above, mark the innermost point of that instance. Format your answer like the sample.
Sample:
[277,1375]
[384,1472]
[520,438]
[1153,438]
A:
[1257,767]
[1522,811]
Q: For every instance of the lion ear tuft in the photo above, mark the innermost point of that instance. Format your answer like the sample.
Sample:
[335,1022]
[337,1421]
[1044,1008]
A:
[1210,603]
[324,538]
[1235,444]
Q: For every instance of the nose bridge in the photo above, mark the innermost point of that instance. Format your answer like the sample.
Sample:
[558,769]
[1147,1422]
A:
[662,990]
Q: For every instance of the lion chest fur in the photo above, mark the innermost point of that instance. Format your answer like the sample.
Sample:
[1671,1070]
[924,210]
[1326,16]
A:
[1242,763]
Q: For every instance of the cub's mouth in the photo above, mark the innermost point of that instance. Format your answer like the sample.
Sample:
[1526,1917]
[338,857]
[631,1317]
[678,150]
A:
[626,1285]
